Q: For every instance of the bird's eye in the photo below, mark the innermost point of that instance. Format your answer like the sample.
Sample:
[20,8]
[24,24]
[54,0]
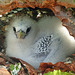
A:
[14,29]
[28,29]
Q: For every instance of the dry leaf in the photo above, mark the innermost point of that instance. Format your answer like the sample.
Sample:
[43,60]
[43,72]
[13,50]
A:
[4,72]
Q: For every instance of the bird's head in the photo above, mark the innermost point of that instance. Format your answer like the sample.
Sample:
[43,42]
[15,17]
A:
[23,27]
[21,34]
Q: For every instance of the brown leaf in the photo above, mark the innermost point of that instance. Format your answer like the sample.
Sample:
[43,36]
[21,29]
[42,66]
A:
[7,5]
[73,54]
[44,66]
[22,72]
[2,61]
[72,66]
[4,72]
[63,67]
[30,69]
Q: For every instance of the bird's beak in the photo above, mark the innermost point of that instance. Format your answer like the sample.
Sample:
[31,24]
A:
[20,34]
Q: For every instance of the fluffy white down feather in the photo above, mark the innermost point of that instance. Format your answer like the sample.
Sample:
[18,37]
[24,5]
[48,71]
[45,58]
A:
[47,41]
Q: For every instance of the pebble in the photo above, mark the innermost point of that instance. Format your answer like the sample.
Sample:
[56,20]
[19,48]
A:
[10,15]
[3,18]
[19,9]
[0,15]
[15,11]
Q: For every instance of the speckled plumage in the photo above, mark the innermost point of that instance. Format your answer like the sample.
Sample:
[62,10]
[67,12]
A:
[47,41]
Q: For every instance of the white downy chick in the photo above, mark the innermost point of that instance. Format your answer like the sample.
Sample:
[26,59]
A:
[35,42]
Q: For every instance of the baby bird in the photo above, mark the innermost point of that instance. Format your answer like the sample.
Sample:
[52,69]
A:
[33,41]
